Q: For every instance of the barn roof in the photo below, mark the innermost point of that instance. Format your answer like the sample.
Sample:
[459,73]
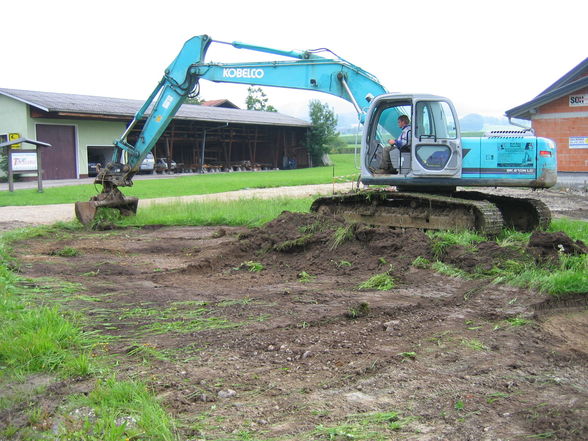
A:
[92,106]
[575,79]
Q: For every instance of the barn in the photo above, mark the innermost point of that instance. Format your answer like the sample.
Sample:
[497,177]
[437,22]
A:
[560,113]
[214,136]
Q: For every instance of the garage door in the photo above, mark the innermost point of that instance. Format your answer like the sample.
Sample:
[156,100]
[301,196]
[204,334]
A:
[59,160]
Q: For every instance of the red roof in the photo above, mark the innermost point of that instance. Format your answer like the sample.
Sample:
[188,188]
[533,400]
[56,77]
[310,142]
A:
[219,103]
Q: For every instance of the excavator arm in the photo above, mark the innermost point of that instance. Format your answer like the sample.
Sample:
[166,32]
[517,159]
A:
[305,70]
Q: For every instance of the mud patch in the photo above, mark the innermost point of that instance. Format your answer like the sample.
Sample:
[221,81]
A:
[259,352]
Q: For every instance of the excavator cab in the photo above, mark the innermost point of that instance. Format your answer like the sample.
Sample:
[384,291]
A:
[434,147]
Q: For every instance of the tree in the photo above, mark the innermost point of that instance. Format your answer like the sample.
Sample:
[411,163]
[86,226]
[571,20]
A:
[323,132]
[194,100]
[257,100]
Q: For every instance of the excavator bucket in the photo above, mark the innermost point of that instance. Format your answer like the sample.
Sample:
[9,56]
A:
[86,211]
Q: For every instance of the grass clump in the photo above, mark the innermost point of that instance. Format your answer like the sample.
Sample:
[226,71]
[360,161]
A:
[294,244]
[304,277]
[252,266]
[378,426]
[362,309]
[118,410]
[66,252]
[380,282]
[445,239]
[564,276]
[36,338]
[341,235]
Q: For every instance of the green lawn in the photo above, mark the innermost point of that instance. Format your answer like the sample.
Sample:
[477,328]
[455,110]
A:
[190,185]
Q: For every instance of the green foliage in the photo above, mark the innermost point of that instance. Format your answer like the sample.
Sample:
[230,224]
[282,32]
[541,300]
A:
[362,309]
[444,239]
[304,277]
[257,100]
[66,252]
[323,131]
[474,344]
[378,426]
[36,338]
[250,212]
[380,282]
[421,262]
[342,235]
[122,410]
[253,267]
[293,244]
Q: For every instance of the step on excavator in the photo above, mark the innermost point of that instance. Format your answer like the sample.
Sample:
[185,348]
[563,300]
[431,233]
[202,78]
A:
[428,162]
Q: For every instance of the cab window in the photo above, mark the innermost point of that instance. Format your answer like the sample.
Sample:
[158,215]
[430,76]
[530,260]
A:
[435,120]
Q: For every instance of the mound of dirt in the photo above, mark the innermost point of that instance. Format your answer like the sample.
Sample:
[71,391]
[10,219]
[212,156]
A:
[314,242]
[549,246]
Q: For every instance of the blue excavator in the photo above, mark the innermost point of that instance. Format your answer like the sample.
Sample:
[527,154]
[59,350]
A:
[425,172]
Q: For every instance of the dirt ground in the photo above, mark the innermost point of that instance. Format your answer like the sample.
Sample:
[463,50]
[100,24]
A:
[264,333]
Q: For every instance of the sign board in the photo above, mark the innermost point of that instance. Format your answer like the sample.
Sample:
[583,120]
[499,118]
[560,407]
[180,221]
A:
[12,137]
[579,142]
[578,100]
[24,161]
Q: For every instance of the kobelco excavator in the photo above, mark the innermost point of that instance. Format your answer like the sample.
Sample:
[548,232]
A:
[432,162]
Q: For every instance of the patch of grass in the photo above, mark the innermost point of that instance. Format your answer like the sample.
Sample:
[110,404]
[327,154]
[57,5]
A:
[253,267]
[294,244]
[304,277]
[568,276]
[518,321]
[362,309]
[250,212]
[341,235]
[121,410]
[474,344]
[576,229]
[187,326]
[409,355]
[444,239]
[421,262]
[379,426]
[66,252]
[380,282]
[146,352]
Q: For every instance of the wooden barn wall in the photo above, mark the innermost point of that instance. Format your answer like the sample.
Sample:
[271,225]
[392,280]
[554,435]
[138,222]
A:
[230,146]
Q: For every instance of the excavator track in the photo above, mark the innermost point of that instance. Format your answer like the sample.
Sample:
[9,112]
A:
[413,210]
[521,214]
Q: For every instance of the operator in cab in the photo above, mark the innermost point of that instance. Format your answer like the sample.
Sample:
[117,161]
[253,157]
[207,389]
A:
[402,143]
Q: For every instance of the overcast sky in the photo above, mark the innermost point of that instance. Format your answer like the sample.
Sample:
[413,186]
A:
[487,56]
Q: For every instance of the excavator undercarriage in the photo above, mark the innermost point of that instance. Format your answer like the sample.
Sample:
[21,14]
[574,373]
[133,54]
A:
[476,211]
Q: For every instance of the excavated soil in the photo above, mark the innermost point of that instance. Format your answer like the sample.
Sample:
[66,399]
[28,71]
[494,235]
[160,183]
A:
[266,332]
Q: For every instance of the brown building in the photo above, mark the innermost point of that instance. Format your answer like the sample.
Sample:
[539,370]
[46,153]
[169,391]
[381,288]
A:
[560,113]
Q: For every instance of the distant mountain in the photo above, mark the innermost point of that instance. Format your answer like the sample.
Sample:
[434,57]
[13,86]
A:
[476,123]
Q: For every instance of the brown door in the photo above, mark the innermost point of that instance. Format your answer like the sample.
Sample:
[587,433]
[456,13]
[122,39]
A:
[59,160]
